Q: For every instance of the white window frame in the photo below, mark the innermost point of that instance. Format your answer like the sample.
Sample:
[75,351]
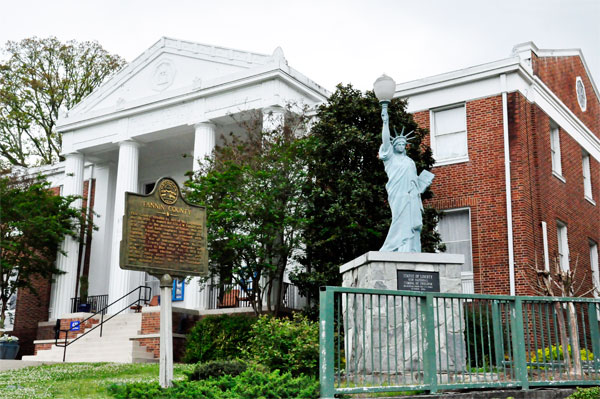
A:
[470,230]
[555,151]
[587,177]
[447,161]
[594,266]
[467,281]
[563,245]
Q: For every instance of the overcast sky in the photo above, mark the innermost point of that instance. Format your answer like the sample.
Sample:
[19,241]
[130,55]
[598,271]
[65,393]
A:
[328,41]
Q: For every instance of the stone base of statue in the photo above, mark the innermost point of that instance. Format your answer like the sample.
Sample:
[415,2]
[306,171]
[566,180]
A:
[386,334]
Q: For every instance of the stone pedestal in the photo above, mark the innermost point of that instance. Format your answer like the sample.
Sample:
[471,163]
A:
[384,334]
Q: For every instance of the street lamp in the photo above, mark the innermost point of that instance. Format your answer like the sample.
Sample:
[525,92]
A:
[384,88]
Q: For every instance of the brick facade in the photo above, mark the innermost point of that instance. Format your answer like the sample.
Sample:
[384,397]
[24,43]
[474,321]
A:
[537,195]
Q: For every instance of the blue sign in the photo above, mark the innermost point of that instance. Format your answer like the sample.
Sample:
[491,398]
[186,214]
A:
[75,326]
[178,290]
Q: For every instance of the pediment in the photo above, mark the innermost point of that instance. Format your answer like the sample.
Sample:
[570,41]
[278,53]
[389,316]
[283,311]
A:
[169,67]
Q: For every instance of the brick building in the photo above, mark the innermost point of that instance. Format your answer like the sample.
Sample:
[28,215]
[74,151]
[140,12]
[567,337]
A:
[517,149]
[516,142]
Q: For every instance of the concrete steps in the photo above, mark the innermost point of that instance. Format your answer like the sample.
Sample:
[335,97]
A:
[115,344]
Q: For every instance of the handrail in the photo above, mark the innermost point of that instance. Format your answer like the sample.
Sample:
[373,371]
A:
[147,291]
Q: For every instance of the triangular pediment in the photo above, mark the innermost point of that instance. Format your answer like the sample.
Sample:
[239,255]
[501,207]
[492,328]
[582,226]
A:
[169,67]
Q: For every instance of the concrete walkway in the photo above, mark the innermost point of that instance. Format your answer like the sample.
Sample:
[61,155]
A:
[6,365]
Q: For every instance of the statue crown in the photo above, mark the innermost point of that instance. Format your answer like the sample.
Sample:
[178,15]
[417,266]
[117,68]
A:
[406,137]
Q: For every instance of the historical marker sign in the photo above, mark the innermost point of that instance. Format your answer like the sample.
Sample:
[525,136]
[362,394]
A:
[163,234]
[409,280]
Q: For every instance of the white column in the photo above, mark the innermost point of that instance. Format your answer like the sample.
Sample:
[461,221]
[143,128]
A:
[123,281]
[63,288]
[204,144]
[273,118]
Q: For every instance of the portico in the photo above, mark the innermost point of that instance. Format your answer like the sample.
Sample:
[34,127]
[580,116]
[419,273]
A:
[160,116]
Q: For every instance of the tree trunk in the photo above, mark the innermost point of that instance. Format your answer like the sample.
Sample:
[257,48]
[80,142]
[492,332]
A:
[575,347]
[564,338]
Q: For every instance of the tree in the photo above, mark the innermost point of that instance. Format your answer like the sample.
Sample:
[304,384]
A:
[37,79]
[558,282]
[33,223]
[252,189]
[348,213]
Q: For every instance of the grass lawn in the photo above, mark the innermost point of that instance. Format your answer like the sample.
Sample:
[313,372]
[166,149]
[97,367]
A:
[76,380]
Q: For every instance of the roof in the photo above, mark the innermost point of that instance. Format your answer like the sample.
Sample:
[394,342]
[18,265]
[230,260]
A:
[238,68]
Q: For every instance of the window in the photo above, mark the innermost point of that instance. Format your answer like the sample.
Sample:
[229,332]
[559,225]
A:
[555,149]
[563,246]
[587,175]
[449,141]
[455,229]
[594,264]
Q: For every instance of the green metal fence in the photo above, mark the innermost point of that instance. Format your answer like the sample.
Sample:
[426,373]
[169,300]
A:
[386,341]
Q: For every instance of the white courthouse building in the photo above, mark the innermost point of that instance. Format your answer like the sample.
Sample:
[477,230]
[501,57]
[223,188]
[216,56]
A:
[156,117]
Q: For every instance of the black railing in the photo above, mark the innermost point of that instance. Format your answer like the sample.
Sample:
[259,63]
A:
[228,296]
[143,297]
[233,296]
[96,303]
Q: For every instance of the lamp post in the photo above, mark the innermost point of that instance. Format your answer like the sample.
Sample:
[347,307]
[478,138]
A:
[384,88]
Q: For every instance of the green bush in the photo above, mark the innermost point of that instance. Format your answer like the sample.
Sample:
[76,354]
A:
[586,393]
[251,384]
[217,368]
[217,338]
[283,344]
[479,337]
[554,353]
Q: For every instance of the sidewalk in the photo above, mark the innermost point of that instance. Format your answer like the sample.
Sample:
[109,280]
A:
[6,365]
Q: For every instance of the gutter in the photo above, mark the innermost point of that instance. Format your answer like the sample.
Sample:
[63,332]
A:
[509,226]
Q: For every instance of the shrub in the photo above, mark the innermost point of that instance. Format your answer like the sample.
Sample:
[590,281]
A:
[251,384]
[217,368]
[217,338]
[283,344]
[479,336]
[554,353]
[586,393]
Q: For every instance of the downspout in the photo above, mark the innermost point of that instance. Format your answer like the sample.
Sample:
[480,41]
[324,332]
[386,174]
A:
[509,225]
[545,239]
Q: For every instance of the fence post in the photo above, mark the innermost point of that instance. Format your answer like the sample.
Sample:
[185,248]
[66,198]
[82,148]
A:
[429,362]
[594,334]
[326,343]
[498,334]
[518,343]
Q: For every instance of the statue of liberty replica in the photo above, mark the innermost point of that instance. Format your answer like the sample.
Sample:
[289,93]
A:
[404,186]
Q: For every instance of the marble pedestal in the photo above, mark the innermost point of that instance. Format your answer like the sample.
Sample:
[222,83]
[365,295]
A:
[385,334]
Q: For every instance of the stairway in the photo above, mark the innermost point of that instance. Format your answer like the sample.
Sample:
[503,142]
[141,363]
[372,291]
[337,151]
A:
[114,345]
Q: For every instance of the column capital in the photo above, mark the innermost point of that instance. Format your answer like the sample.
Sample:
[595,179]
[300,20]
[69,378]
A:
[74,155]
[204,125]
[130,142]
[273,109]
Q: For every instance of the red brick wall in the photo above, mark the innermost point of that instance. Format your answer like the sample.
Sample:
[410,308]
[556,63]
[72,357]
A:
[559,74]
[182,323]
[479,185]
[32,308]
[557,200]
[536,194]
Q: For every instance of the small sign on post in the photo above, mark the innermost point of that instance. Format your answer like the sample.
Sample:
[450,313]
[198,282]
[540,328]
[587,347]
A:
[165,236]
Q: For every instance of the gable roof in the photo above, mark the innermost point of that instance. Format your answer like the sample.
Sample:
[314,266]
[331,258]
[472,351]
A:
[521,50]
[242,67]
